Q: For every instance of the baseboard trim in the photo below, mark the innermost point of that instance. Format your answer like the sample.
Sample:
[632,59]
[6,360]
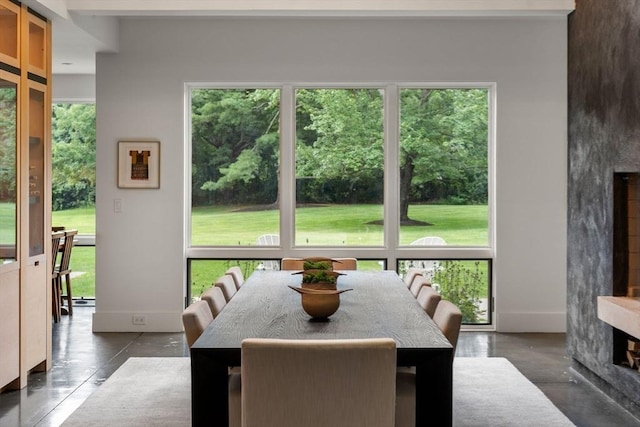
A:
[550,322]
[124,322]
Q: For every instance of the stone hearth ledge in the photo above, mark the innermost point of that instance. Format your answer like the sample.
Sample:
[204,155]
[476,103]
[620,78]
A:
[621,312]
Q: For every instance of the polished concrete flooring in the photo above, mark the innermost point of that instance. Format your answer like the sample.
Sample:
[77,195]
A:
[83,360]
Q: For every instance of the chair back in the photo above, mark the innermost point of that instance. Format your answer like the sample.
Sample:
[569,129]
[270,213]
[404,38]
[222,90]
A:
[292,264]
[215,298]
[195,320]
[318,383]
[228,286]
[56,237]
[345,264]
[428,298]
[236,273]
[418,283]
[268,240]
[448,317]
[65,260]
[411,274]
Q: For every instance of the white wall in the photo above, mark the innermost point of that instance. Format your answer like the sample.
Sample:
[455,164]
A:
[140,267]
[74,88]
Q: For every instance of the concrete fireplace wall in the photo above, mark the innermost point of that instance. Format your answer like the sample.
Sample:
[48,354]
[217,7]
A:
[604,137]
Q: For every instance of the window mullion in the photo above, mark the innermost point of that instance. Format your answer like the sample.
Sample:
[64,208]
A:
[391,173]
[287,169]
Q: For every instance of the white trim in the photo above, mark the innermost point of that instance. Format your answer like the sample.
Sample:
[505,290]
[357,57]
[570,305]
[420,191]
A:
[323,7]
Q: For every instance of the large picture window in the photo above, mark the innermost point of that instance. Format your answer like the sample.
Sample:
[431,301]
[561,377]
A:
[390,174]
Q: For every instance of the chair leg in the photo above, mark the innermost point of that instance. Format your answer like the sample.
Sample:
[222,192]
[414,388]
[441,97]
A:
[55,300]
[68,297]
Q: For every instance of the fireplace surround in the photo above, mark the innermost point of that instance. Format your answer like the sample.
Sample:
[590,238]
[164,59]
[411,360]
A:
[604,156]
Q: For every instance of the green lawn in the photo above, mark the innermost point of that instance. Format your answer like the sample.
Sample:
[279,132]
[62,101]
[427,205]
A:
[340,224]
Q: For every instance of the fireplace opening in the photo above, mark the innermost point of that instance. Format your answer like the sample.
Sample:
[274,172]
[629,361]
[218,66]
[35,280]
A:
[626,258]
[626,234]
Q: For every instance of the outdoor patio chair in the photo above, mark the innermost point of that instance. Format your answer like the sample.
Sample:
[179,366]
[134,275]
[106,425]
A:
[268,240]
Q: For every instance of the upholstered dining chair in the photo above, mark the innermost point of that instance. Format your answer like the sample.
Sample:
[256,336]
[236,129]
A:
[448,317]
[215,298]
[345,264]
[417,284]
[296,264]
[228,286]
[236,273]
[428,298]
[318,383]
[410,275]
[195,319]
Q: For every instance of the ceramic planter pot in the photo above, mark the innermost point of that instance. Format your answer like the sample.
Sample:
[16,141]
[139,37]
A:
[319,303]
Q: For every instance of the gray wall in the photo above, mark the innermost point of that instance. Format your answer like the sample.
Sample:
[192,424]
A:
[140,92]
[604,137]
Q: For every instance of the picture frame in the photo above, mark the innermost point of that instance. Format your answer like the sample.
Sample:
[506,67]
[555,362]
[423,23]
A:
[139,164]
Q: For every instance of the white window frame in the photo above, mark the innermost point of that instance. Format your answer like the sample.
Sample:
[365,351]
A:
[391,251]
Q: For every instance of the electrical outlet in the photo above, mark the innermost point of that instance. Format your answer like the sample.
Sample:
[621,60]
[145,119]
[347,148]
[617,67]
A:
[139,319]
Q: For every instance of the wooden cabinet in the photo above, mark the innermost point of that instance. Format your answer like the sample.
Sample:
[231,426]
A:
[25,193]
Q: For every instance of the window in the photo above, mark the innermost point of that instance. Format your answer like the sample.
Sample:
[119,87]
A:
[389,174]
[444,166]
[73,187]
[339,167]
[234,172]
[8,171]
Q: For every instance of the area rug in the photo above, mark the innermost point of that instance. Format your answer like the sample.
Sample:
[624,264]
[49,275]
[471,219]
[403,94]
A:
[155,391]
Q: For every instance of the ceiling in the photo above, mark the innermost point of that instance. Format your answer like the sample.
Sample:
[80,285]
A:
[81,28]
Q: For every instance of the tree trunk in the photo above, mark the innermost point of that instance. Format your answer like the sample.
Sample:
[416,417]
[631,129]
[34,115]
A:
[406,174]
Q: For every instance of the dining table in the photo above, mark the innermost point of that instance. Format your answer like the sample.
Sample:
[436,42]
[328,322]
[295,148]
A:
[378,306]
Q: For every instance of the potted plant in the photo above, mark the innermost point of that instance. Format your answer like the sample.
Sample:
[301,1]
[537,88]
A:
[319,279]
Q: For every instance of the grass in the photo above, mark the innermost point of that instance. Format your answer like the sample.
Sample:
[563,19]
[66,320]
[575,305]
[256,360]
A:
[331,225]
[338,225]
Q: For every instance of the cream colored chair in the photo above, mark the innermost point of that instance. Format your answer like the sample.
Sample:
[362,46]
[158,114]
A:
[448,317]
[428,298]
[228,286]
[195,320]
[410,275]
[215,298]
[345,264]
[417,284]
[318,383]
[296,264]
[236,273]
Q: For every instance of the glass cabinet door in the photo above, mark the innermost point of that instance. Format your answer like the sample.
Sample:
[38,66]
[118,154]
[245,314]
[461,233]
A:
[9,30]
[8,171]
[36,171]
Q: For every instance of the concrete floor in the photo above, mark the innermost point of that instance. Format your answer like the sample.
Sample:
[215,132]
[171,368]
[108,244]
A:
[82,361]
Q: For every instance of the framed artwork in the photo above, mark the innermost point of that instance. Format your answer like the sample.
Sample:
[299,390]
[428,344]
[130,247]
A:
[138,164]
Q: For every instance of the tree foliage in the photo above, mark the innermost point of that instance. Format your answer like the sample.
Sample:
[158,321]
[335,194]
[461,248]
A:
[339,146]
[235,144]
[73,156]
[8,143]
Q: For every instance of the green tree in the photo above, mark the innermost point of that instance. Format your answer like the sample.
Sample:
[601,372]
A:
[73,155]
[8,143]
[235,144]
[443,150]
[339,142]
